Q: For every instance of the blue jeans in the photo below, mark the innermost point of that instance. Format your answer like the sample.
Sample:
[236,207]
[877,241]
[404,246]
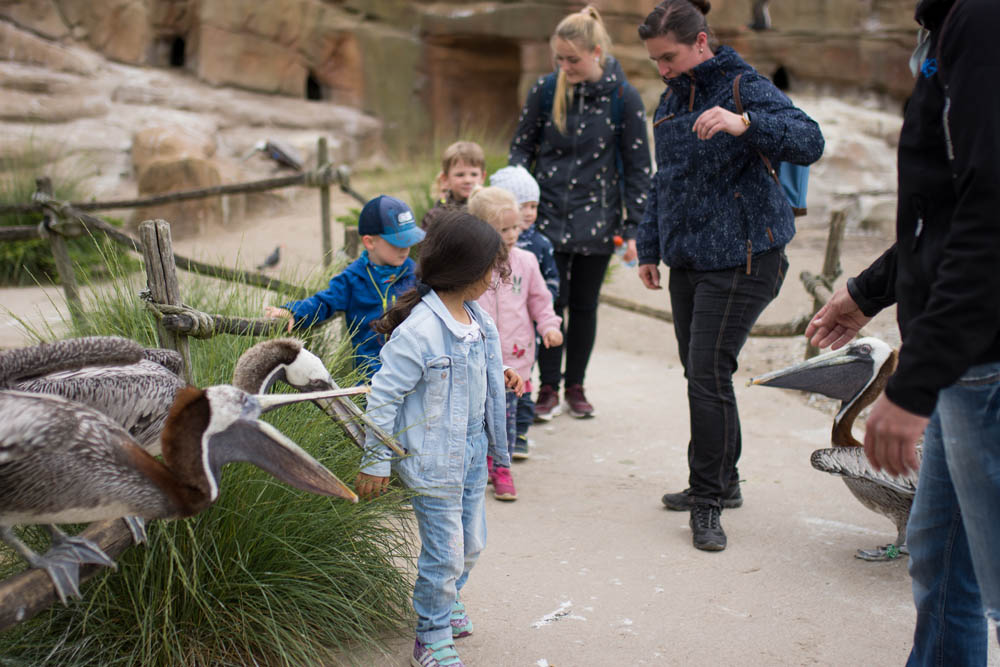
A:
[525,414]
[713,314]
[452,535]
[954,527]
[512,402]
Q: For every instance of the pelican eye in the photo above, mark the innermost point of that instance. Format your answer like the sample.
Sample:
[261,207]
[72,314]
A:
[865,349]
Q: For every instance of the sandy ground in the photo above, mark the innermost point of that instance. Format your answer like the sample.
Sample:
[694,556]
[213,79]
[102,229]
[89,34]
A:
[587,568]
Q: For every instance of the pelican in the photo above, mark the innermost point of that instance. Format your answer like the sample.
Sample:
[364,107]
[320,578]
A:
[856,375]
[132,385]
[287,360]
[64,462]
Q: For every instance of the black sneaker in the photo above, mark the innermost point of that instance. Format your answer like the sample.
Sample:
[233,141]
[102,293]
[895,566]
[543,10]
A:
[681,502]
[706,529]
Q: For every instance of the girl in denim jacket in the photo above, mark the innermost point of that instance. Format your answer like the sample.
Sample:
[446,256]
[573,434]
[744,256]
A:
[441,389]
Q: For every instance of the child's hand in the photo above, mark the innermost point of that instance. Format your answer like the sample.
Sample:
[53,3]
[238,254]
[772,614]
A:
[552,338]
[271,311]
[513,381]
[369,486]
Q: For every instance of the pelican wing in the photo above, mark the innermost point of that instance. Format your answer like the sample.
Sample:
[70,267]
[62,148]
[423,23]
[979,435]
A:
[137,396]
[851,462]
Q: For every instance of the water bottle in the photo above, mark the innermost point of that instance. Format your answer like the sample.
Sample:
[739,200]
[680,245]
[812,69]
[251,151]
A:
[620,247]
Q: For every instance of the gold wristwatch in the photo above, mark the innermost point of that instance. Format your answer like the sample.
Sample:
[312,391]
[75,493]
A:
[746,118]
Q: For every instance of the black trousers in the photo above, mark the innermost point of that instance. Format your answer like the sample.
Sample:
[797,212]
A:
[713,314]
[580,279]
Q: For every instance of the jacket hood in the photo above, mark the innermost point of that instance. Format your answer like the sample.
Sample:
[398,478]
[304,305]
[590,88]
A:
[931,13]
[719,69]
[613,77]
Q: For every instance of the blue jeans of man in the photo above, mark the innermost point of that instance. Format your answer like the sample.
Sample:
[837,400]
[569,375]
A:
[954,529]
[713,313]
[452,535]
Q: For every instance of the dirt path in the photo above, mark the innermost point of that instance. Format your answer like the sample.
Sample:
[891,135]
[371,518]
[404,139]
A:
[587,568]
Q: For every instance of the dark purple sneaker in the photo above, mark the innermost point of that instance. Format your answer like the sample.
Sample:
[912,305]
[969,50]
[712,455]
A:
[578,404]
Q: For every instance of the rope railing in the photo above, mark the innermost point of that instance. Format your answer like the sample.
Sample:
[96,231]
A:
[324,175]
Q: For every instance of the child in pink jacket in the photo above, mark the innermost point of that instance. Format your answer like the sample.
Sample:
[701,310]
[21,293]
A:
[519,305]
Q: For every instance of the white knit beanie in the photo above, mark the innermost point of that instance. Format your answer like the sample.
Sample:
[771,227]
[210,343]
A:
[517,181]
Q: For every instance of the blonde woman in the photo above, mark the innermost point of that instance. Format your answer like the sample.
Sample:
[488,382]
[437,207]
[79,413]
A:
[582,133]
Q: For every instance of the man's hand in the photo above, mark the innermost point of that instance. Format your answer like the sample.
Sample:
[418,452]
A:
[370,486]
[837,322]
[272,311]
[649,274]
[891,436]
[513,381]
[552,338]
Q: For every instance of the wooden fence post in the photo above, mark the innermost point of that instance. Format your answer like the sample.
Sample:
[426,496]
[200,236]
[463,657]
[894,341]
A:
[60,253]
[324,203]
[831,264]
[161,278]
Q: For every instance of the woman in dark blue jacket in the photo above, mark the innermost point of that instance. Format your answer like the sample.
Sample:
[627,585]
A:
[720,222]
[582,133]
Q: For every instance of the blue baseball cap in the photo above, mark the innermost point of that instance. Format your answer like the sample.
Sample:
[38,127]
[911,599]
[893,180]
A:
[391,219]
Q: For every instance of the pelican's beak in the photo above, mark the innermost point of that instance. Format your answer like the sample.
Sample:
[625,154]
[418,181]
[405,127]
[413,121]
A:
[259,443]
[272,401]
[342,410]
[840,374]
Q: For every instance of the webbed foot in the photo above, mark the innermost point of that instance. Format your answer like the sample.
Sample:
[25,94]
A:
[137,527]
[886,553]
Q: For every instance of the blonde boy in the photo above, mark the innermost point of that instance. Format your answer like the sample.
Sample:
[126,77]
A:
[463,169]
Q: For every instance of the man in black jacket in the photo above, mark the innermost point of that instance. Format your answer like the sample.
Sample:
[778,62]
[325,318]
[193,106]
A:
[943,273]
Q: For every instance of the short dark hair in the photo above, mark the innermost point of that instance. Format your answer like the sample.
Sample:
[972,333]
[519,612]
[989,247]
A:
[684,18]
[459,249]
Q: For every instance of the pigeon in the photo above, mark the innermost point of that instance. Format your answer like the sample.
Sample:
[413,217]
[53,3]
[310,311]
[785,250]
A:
[271,260]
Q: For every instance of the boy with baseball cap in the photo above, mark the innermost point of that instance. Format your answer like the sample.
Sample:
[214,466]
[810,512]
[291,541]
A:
[369,285]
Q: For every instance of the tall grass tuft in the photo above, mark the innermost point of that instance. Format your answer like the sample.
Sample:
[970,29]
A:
[27,262]
[268,575]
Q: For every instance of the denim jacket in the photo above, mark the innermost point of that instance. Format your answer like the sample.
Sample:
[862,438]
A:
[421,394]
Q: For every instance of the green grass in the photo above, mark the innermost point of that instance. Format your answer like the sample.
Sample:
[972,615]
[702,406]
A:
[268,575]
[31,262]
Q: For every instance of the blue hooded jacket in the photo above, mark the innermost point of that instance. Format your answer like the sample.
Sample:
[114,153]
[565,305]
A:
[363,292]
[712,204]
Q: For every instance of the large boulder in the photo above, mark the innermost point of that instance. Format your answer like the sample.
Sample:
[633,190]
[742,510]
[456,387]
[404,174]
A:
[173,158]
[186,218]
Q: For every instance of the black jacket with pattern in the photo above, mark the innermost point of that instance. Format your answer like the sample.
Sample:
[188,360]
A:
[581,209]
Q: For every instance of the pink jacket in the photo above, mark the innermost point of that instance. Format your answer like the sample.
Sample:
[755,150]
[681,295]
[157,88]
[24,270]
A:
[518,302]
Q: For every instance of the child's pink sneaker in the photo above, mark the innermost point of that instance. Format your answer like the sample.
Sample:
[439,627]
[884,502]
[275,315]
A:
[503,484]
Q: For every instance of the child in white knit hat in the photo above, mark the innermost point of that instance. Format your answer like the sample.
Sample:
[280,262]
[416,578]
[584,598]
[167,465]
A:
[520,183]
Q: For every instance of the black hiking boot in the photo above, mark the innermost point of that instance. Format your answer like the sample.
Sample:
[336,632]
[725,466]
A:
[681,501]
[706,529]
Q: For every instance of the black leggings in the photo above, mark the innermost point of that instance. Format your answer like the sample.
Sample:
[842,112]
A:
[580,279]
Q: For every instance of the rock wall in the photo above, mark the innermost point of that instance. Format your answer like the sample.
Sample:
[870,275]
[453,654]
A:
[427,69]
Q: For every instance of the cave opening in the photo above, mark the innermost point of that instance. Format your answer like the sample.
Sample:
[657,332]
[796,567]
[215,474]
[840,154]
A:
[177,52]
[314,90]
[781,79]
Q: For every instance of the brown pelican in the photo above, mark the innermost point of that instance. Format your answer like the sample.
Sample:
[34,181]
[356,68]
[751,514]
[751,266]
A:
[63,462]
[286,359]
[856,374]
